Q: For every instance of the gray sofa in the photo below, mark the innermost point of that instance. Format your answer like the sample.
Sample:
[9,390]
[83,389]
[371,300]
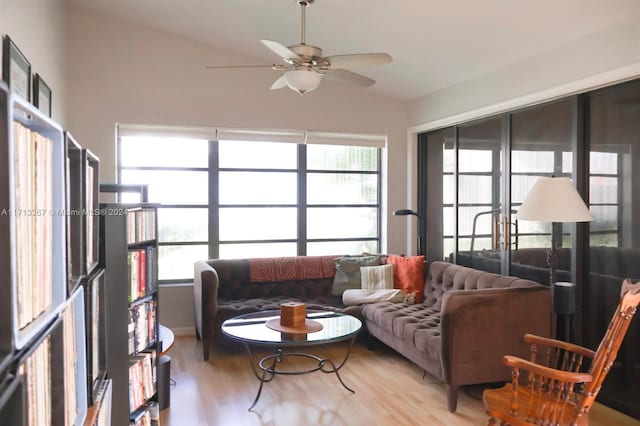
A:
[468,320]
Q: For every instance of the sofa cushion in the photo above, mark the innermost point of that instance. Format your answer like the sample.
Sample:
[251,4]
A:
[228,308]
[416,324]
[408,275]
[348,272]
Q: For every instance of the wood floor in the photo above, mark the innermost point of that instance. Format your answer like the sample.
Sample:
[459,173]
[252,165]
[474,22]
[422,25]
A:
[389,391]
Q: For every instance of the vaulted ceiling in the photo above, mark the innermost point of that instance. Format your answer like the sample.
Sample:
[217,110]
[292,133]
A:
[434,43]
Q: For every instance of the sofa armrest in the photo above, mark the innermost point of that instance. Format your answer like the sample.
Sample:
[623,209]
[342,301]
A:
[205,295]
[479,327]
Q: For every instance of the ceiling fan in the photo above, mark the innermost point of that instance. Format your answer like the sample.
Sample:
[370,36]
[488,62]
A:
[305,66]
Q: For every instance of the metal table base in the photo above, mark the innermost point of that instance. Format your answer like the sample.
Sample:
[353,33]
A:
[266,368]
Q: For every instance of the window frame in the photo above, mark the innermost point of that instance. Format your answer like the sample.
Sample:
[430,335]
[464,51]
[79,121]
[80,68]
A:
[214,206]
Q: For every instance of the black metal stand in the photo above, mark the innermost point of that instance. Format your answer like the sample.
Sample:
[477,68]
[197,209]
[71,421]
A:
[164,381]
[267,366]
[563,305]
[563,294]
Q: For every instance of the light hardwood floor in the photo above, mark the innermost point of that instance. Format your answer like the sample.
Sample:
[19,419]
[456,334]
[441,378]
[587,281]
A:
[389,391]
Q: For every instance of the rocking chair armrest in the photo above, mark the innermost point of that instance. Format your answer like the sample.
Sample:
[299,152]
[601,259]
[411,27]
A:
[551,373]
[544,341]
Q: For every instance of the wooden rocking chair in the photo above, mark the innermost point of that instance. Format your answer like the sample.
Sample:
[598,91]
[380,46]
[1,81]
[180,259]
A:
[556,392]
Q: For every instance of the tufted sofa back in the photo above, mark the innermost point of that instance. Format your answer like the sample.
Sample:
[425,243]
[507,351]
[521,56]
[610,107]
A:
[444,276]
[234,283]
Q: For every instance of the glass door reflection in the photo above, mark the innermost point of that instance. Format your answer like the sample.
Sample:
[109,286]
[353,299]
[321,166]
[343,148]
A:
[479,195]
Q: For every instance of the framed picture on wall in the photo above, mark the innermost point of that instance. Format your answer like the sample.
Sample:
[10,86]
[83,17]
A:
[16,69]
[41,95]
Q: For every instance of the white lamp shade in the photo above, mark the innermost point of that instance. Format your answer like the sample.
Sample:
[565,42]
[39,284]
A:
[302,81]
[554,199]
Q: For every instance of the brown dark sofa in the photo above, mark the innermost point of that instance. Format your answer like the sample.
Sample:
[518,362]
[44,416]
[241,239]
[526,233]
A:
[468,320]
[223,289]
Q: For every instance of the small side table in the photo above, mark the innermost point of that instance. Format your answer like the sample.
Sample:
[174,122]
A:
[164,367]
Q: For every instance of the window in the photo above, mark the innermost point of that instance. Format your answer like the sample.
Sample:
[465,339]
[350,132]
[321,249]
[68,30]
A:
[252,198]
[176,170]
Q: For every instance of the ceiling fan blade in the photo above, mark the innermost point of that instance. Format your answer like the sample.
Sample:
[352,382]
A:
[215,67]
[358,60]
[349,77]
[280,50]
[279,83]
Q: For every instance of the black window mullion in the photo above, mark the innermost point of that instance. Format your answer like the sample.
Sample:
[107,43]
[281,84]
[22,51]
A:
[302,200]
[379,202]
[165,168]
[214,201]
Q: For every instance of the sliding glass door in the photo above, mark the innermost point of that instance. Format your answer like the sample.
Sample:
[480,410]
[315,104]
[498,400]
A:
[613,137]
[480,195]
[479,173]
[541,145]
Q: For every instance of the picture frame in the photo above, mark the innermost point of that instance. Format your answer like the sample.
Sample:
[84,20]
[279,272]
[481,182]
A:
[41,95]
[16,69]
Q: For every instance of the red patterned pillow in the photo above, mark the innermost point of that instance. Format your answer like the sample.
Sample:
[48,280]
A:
[408,275]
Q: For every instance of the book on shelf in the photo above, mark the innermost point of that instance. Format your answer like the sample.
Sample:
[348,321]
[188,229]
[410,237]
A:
[103,417]
[137,274]
[131,328]
[141,225]
[70,358]
[142,325]
[142,379]
[90,255]
[37,372]
[33,157]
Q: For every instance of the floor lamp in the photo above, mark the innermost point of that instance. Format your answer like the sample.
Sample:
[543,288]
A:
[407,212]
[555,200]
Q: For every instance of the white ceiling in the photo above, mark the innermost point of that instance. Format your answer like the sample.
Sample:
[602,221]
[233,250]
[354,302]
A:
[434,43]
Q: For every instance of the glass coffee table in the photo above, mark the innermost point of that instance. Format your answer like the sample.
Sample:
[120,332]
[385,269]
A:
[251,330]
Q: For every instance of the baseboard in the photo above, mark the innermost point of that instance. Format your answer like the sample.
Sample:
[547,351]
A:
[183,331]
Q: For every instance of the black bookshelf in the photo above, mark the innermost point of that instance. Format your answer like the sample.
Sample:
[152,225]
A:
[91,219]
[126,232]
[96,332]
[74,206]
[12,400]
[69,364]
[6,289]
[40,365]
[43,372]
[47,254]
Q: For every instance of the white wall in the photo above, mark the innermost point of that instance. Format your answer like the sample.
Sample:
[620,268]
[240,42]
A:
[37,28]
[121,72]
[602,58]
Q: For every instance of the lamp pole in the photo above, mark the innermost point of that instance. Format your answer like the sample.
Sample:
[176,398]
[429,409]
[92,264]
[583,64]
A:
[408,212]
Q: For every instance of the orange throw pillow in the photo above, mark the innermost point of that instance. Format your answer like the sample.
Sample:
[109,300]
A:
[408,275]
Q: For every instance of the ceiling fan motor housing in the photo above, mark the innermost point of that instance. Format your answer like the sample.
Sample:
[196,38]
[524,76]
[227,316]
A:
[307,52]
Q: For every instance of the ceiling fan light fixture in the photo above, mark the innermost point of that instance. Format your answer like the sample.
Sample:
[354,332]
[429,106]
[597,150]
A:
[302,81]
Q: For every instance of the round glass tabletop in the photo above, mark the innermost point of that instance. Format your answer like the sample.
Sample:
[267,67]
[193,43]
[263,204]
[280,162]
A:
[251,328]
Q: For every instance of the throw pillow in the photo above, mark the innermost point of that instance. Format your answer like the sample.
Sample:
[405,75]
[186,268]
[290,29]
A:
[348,272]
[408,275]
[377,277]
[353,297]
